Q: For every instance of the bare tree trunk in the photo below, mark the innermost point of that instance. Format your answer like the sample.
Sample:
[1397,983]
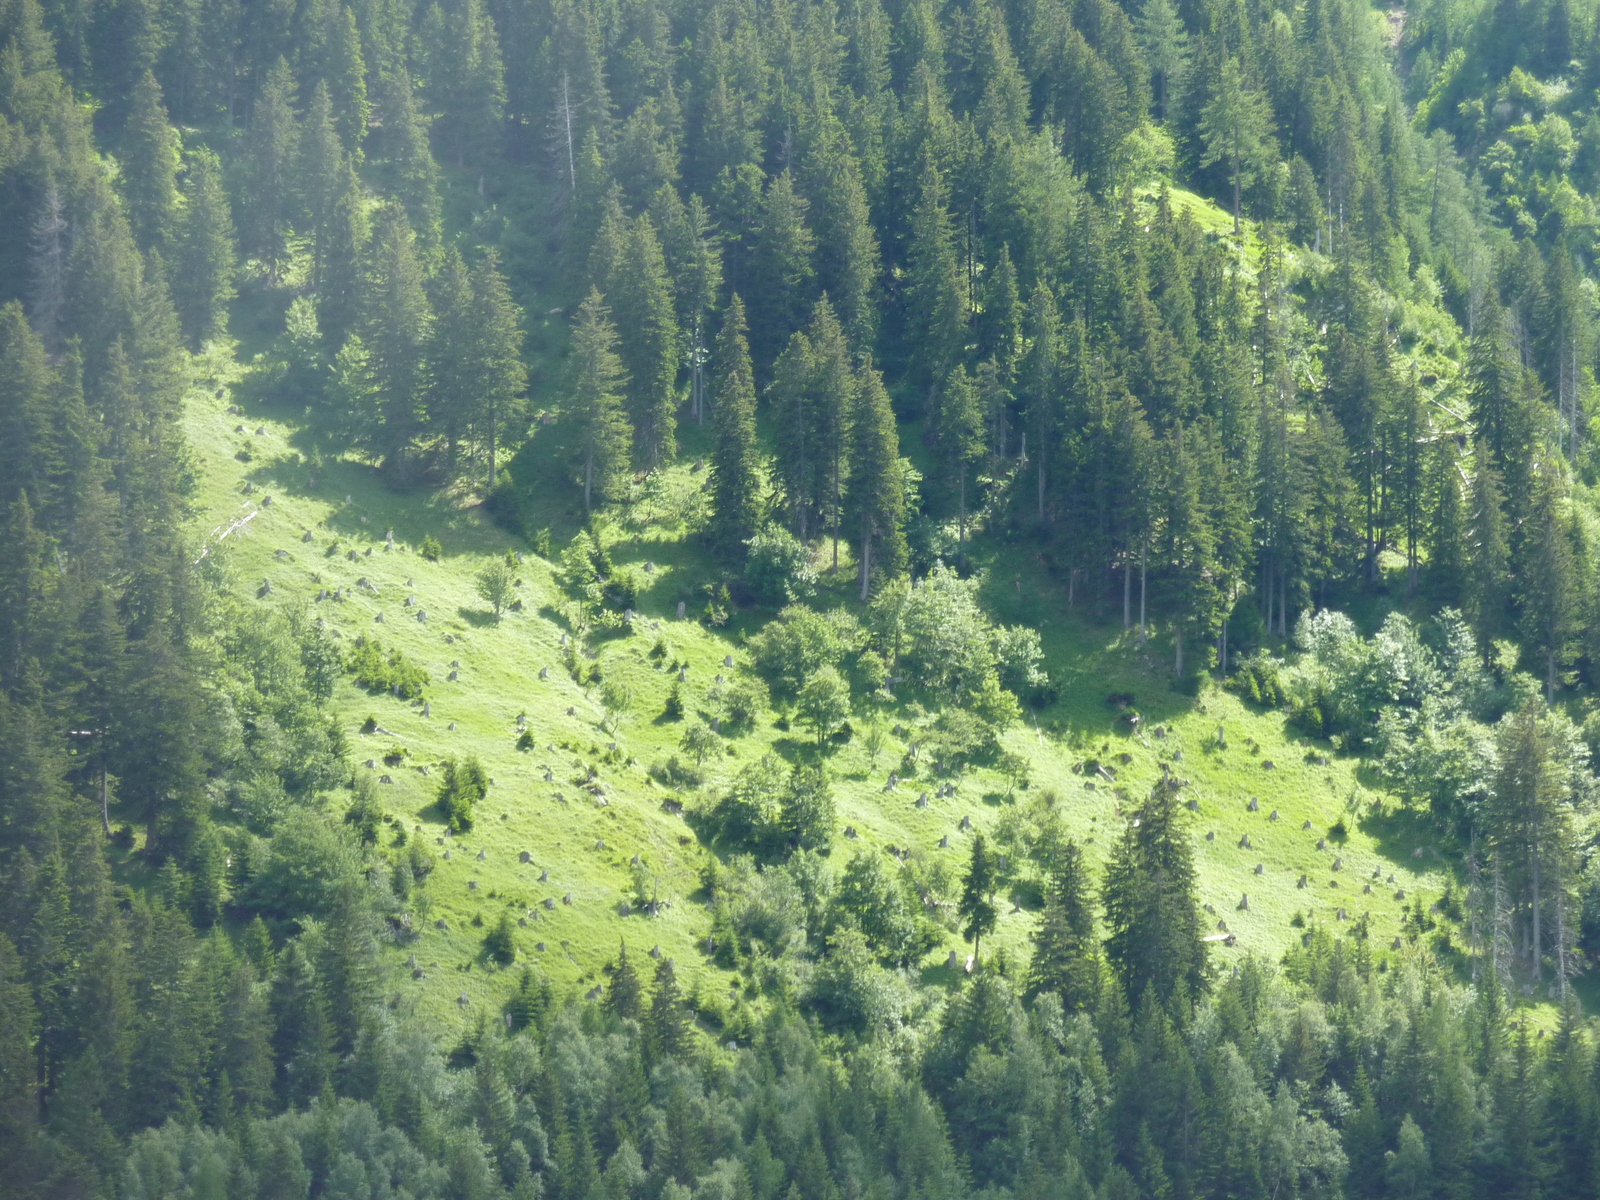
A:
[866,564]
[1144,549]
[1127,592]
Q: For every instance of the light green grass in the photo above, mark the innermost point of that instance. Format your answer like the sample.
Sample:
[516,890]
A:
[498,680]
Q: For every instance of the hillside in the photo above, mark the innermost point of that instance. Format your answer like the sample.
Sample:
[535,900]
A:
[486,688]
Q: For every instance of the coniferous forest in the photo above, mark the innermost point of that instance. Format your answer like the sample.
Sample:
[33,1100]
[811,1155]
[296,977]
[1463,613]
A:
[936,370]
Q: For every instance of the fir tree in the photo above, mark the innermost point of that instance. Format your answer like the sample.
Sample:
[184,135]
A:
[150,166]
[604,434]
[976,909]
[624,999]
[935,290]
[270,152]
[641,299]
[1488,551]
[495,357]
[875,500]
[735,458]
[203,264]
[958,422]
[395,323]
[1236,128]
[1066,953]
[781,274]
[1151,912]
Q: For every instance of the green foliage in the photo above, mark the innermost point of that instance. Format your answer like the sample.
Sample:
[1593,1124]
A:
[378,671]
[500,943]
[797,644]
[430,548]
[778,567]
[496,586]
[463,784]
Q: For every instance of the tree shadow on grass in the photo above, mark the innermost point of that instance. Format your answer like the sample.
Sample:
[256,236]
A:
[477,618]
[1398,833]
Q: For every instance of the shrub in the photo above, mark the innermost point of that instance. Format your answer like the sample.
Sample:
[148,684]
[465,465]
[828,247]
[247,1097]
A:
[463,785]
[431,549]
[744,700]
[1258,678]
[365,815]
[673,710]
[541,543]
[380,672]
[675,773]
[778,567]
[500,943]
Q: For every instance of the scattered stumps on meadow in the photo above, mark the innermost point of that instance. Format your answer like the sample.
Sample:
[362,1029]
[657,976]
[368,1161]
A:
[850,832]
[1400,895]
[525,857]
[1322,843]
[1254,805]
[1306,824]
[472,885]
[1244,902]
[550,903]
[1193,805]
[451,727]
[482,855]
[463,1000]
[544,672]
[567,899]
[922,800]
[727,660]
[418,973]
[1244,843]
[1366,890]
[539,946]
[1338,864]
[966,824]
[1261,869]
[1211,835]
[1268,765]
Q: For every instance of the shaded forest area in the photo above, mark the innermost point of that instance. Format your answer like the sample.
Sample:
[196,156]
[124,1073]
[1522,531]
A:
[933,275]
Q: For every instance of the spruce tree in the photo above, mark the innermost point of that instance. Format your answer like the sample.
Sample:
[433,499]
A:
[203,263]
[668,1032]
[625,996]
[452,389]
[846,243]
[1000,326]
[875,500]
[341,247]
[270,153]
[1447,520]
[149,166]
[781,273]
[411,170]
[1236,128]
[1549,595]
[1152,914]
[958,424]
[936,296]
[694,260]
[395,323]
[735,458]
[20,1165]
[976,908]
[1488,550]
[495,358]
[604,434]
[641,301]
[1066,952]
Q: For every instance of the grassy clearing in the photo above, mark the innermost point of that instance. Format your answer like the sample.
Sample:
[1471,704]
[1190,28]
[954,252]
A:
[587,848]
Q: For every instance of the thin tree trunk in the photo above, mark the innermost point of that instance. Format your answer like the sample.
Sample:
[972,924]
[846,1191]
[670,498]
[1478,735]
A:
[588,481]
[1538,929]
[1127,593]
[105,793]
[1143,561]
[1177,648]
[866,564]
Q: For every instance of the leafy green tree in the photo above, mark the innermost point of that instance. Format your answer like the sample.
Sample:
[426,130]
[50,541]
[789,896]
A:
[735,456]
[824,702]
[976,909]
[203,260]
[496,584]
[604,433]
[808,810]
[1236,128]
